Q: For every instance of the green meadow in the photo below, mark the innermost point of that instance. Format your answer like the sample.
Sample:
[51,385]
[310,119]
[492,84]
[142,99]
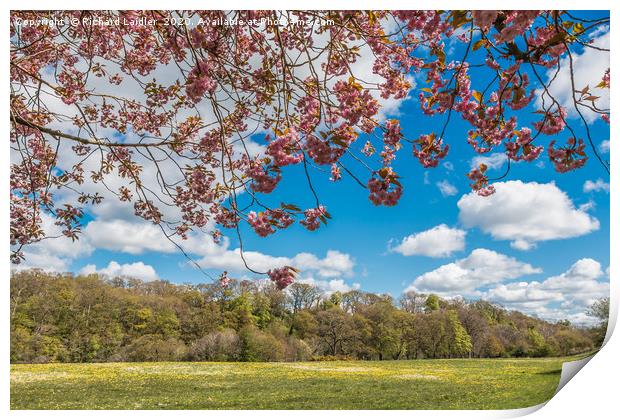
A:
[402,384]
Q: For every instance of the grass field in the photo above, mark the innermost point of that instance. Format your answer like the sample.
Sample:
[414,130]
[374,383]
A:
[418,384]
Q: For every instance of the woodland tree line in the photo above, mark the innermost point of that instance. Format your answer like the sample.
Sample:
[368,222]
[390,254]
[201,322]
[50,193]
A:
[67,318]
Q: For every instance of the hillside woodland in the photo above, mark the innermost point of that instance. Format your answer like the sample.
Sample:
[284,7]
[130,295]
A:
[75,318]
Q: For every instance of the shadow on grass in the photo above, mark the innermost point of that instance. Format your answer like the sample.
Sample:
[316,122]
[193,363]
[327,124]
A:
[550,372]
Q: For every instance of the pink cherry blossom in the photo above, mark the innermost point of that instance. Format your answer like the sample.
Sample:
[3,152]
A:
[166,119]
[282,277]
[568,158]
[313,217]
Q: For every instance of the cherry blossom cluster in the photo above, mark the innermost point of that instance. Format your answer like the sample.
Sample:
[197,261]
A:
[605,80]
[224,216]
[322,152]
[29,194]
[605,84]
[224,281]
[384,187]
[336,174]
[285,148]
[568,158]
[553,122]
[484,18]
[282,277]
[126,125]
[515,23]
[262,181]
[430,150]
[392,134]
[356,103]
[266,222]
[147,210]
[522,148]
[199,81]
[547,44]
[480,181]
[313,217]
[309,110]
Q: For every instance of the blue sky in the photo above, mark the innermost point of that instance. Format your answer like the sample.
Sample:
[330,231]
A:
[554,278]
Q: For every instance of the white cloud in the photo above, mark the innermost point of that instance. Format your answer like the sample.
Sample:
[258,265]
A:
[579,281]
[137,270]
[34,258]
[330,286]
[579,318]
[587,206]
[482,267]
[493,161]
[440,241]
[134,237]
[448,165]
[598,185]
[525,213]
[334,264]
[604,146]
[522,245]
[139,237]
[54,253]
[566,296]
[446,188]
[588,69]
[520,292]
[484,275]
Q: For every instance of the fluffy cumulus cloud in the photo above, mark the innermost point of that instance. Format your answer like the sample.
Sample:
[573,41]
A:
[55,252]
[498,278]
[598,186]
[138,237]
[493,161]
[135,237]
[482,267]
[330,286]
[588,70]
[37,256]
[440,241]
[525,213]
[137,270]
[565,296]
[446,188]
[579,282]
[520,292]
[334,264]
